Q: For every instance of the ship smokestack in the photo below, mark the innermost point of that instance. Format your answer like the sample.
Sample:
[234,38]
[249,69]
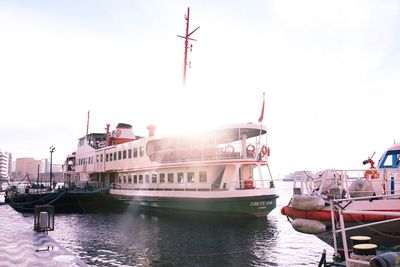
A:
[151,129]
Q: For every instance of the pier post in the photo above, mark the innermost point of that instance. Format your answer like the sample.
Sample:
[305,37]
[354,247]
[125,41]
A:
[51,166]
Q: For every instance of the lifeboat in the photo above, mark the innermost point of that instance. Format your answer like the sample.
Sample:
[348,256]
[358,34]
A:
[324,215]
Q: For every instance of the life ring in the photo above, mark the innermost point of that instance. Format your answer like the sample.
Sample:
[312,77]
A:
[248,184]
[250,149]
[371,173]
[264,150]
[229,148]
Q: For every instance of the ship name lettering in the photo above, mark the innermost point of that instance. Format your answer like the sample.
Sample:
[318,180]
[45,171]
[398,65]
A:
[260,203]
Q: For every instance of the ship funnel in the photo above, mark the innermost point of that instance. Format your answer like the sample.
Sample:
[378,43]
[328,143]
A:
[151,129]
[122,134]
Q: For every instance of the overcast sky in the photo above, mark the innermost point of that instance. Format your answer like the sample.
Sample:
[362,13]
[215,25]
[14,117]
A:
[330,71]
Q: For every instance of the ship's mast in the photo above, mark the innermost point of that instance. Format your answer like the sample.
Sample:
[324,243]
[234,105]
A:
[186,37]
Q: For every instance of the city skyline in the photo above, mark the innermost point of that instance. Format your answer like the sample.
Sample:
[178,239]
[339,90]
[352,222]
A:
[9,166]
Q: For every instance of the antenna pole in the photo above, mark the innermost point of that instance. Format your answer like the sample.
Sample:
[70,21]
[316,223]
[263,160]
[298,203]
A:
[186,37]
[87,122]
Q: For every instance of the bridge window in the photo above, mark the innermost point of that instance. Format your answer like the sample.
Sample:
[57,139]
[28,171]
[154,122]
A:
[147,177]
[141,151]
[135,179]
[391,159]
[119,155]
[135,152]
[129,178]
[130,153]
[140,178]
[154,178]
[124,154]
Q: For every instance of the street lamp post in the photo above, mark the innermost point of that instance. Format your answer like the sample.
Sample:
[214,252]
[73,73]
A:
[51,166]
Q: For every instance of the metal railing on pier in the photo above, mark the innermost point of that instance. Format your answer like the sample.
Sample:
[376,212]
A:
[342,229]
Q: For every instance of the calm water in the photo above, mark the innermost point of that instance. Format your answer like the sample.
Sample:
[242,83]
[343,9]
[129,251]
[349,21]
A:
[139,239]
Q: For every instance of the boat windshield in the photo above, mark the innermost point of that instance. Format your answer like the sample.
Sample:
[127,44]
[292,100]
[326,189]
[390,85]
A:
[391,159]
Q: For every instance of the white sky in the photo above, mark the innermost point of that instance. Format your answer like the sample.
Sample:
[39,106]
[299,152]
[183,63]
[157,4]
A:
[330,70]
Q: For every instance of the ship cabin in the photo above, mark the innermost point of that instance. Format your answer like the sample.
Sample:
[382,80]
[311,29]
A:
[222,159]
[391,158]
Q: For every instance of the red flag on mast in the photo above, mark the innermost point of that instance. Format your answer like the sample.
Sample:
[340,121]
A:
[262,110]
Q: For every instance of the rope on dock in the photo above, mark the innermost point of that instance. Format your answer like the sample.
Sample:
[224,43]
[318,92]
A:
[374,230]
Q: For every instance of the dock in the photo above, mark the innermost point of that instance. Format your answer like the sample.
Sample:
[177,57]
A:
[20,245]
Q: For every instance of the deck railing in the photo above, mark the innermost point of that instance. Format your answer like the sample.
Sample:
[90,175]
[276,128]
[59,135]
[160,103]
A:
[339,183]
[205,154]
[196,186]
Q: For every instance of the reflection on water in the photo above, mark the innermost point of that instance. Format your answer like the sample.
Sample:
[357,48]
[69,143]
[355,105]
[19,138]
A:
[147,239]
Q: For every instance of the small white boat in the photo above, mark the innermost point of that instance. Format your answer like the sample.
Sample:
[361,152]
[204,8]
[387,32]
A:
[373,189]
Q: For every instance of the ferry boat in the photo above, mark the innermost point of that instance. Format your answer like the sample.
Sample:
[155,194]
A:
[222,171]
[363,191]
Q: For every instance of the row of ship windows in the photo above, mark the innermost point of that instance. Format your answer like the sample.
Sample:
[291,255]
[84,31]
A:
[118,155]
[162,178]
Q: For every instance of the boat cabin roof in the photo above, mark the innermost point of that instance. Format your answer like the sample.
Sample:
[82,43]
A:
[394,147]
[233,132]
[221,135]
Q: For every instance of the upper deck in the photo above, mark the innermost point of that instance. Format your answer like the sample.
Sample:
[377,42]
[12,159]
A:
[229,142]
[240,142]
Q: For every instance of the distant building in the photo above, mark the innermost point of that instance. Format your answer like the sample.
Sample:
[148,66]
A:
[27,165]
[5,165]
[57,168]
[45,166]
[30,166]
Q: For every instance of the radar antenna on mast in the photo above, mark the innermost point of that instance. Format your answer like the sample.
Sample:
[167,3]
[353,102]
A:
[186,37]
